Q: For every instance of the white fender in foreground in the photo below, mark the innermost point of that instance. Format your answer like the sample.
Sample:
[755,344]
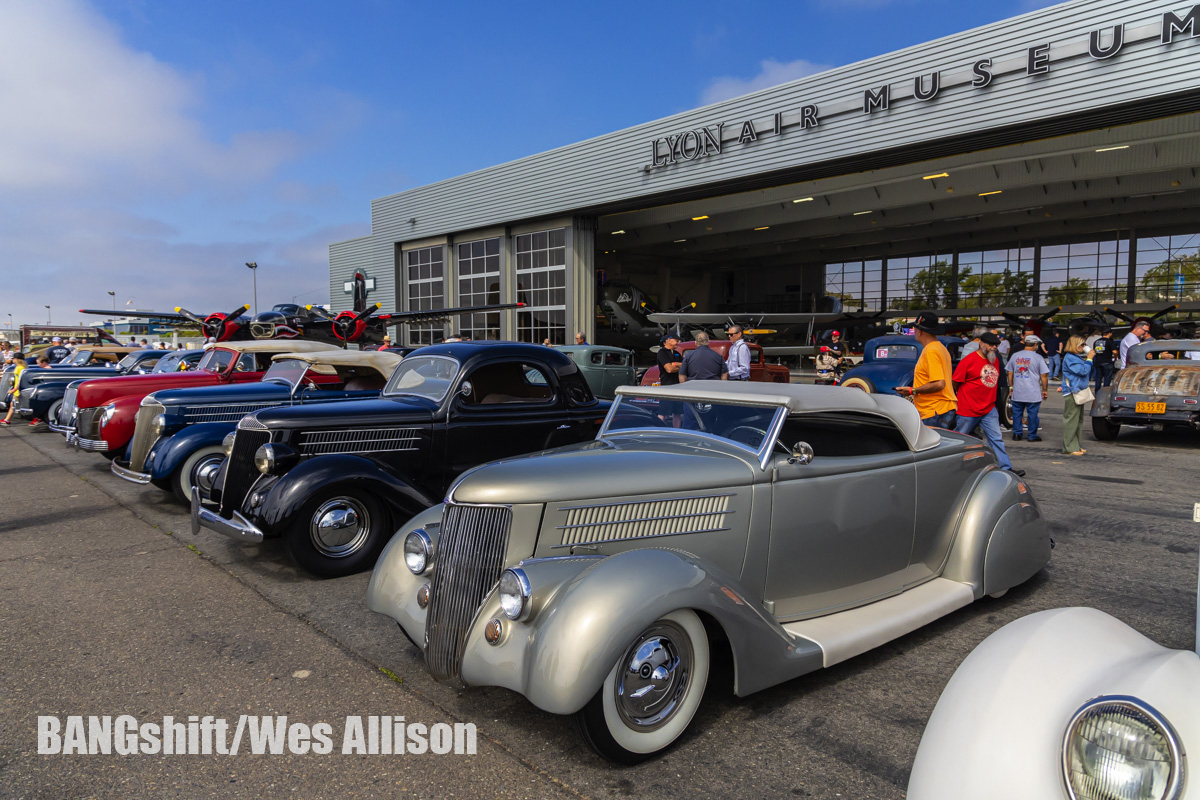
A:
[997,730]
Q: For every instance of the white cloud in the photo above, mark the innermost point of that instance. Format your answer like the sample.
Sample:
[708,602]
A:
[81,108]
[771,73]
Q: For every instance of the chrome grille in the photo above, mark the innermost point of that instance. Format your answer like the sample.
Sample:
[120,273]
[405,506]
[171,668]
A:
[222,413]
[240,472]
[644,519]
[359,440]
[67,409]
[87,423]
[1171,381]
[470,557]
[143,433]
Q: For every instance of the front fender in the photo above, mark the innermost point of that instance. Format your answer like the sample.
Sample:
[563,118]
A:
[312,475]
[393,587]
[119,430]
[169,452]
[1001,539]
[43,396]
[1009,703]
[587,611]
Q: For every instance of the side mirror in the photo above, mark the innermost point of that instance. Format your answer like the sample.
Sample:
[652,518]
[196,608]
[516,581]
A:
[466,389]
[802,453]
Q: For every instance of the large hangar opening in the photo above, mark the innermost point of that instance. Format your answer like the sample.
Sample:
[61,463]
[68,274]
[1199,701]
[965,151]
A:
[1099,217]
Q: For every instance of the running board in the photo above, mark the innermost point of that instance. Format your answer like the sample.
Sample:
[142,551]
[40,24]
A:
[849,633]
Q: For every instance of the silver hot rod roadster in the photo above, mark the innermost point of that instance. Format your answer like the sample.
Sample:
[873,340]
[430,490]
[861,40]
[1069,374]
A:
[795,526]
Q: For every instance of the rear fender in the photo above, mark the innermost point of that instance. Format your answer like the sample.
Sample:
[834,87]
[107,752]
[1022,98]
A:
[1102,406]
[170,452]
[312,475]
[1001,538]
[586,612]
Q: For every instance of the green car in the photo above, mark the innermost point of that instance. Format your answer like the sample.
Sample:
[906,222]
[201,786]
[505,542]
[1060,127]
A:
[605,368]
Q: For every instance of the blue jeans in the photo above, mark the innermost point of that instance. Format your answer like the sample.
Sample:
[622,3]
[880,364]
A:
[990,424]
[1055,364]
[1103,374]
[940,421]
[1019,411]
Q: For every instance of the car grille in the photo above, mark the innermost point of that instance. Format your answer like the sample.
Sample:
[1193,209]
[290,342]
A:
[67,409]
[6,381]
[643,519]
[143,433]
[470,557]
[1160,380]
[359,440]
[87,424]
[222,413]
[240,472]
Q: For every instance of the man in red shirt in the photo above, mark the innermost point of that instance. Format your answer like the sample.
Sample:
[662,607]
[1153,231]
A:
[975,380]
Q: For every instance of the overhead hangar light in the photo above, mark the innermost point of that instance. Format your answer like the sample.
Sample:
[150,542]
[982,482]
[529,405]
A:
[803,200]
[986,194]
[763,228]
[617,233]
[697,219]
[939,175]
[1110,149]
[860,213]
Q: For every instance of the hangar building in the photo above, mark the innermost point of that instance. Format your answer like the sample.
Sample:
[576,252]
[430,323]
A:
[1048,158]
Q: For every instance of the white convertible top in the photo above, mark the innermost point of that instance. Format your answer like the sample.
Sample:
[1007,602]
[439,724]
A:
[383,363]
[277,346]
[800,398]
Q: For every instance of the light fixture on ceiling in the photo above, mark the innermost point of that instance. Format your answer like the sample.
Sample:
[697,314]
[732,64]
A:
[1110,149]
[763,228]
[678,241]
[803,200]
[860,213]
[939,175]
[617,233]
[985,194]
[697,219]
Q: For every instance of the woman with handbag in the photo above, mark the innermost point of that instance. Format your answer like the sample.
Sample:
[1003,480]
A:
[1076,377]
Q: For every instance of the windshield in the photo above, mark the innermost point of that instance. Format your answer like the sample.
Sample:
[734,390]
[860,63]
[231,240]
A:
[128,361]
[423,376]
[216,360]
[289,371]
[80,358]
[740,424]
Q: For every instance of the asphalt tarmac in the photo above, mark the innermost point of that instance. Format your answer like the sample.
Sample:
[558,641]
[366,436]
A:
[110,606]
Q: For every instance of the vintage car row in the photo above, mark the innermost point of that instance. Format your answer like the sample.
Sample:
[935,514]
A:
[178,433]
[597,579]
[1159,386]
[43,403]
[99,415]
[68,370]
[335,480]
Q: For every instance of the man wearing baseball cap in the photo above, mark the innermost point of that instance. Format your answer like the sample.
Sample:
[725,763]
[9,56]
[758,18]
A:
[669,359]
[932,390]
[56,352]
[1029,377]
[975,381]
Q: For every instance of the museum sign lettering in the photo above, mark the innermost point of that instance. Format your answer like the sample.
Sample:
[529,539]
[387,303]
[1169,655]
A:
[691,145]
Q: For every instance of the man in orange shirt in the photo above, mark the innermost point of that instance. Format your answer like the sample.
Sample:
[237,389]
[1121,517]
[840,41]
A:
[933,386]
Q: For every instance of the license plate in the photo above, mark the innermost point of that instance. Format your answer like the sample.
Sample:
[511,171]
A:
[1151,408]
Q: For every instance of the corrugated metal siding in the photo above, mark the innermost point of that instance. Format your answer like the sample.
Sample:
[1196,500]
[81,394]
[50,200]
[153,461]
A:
[608,170]
[373,253]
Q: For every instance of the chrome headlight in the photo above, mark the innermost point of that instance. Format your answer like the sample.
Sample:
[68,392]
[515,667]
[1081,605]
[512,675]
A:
[266,459]
[227,443]
[158,425]
[1119,748]
[514,593]
[107,414]
[418,551]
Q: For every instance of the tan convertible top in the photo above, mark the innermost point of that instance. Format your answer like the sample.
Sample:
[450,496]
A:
[800,398]
[277,346]
[383,363]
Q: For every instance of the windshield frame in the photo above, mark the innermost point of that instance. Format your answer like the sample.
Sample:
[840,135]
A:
[388,391]
[762,453]
[292,386]
[235,355]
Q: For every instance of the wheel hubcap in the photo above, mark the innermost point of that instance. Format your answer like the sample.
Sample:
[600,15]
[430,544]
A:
[654,676]
[339,527]
[202,475]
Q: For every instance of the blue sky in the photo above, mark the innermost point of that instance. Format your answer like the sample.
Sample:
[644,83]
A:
[150,147]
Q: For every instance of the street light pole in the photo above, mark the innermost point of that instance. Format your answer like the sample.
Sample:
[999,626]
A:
[48,315]
[113,295]
[253,265]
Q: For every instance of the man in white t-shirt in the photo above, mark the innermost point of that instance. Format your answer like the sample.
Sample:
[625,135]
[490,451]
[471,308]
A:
[1139,333]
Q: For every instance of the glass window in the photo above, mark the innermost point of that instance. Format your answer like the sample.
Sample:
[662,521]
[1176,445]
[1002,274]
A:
[479,285]
[507,382]
[216,360]
[247,363]
[542,286]
[739,424]
[426,291]
[897,351]
[423,376]
[1169,268]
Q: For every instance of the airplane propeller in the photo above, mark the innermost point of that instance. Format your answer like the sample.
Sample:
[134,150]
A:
[216,325]
[349,326]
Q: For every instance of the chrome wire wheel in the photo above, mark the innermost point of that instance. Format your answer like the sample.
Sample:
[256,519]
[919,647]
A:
[339,527]
[653,675]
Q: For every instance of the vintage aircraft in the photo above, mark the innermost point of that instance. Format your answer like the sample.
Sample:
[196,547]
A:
[362,326]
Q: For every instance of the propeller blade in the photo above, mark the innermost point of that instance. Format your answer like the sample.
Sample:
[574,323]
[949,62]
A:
[318,312]
[1119,315]
[1166,310]
[189,315]
[368,311]
[237,312]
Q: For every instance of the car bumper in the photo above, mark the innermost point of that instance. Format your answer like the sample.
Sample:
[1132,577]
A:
[122,470]
[238,528]
[90,445]
[63,429]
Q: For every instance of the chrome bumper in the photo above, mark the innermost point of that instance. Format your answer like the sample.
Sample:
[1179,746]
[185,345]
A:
[123,471]
[239,528]
[91,445]
[64,429]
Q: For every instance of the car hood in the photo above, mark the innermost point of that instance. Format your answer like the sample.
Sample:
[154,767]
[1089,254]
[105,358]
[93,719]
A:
[618,467]
[97,392]
[224,393]
[348,414]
